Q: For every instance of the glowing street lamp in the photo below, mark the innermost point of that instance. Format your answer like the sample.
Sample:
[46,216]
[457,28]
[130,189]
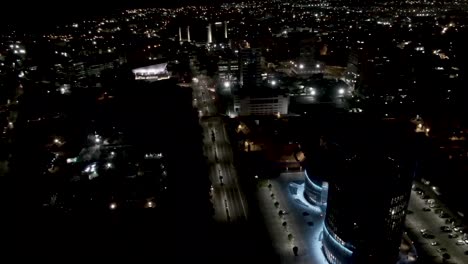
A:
[273,82]
[227,84]
[341,91]
[113,206]
[301,66]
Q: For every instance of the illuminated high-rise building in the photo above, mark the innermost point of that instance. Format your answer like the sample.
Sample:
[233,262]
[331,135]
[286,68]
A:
[367,199]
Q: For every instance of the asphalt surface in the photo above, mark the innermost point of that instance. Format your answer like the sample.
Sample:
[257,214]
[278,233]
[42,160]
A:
[228,200]
[431,221]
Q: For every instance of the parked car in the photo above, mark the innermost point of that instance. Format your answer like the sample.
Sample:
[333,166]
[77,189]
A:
[453,235]
[428,236]
[445,229]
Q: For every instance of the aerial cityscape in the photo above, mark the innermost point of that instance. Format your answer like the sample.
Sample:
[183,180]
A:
[275,131]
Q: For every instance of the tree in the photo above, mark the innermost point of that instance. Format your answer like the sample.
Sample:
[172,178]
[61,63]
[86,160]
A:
[295,250]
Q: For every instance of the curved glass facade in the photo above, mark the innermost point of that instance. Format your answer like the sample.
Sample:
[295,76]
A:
[335,250]
[315,191]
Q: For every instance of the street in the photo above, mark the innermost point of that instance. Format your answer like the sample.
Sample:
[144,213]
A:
[228,200]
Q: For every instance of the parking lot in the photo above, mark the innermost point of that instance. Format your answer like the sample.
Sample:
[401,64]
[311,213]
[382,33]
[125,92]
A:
[436,228]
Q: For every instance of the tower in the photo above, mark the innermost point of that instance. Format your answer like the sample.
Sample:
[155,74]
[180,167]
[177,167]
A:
[225,30]
[210,37]
[188,33]
[180,34]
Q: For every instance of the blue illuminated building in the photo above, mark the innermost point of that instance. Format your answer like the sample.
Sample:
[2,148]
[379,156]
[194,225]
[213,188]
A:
[368,192]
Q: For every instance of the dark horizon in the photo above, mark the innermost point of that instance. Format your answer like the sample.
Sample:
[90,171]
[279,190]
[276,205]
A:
[38,16]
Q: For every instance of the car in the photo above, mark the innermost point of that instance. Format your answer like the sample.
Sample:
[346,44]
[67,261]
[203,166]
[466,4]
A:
[466,241]
[449,221]
[446,256]
[445,229]
[433,206]
[441,250]
[457,229]
[420,193]
[444,215]
[460,242]
[435,243]
[426,209]
[453,235]
[428,236]
[423,231]
[430,201]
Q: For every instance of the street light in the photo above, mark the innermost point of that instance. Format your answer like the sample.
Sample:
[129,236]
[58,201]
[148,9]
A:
[301,66]
[227,84]
[341,91]
[113,206]
[273,82]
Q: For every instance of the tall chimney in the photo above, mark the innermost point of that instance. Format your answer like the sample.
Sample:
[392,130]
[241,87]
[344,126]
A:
[225,30]
[188,33]
[180,34]
[210,38]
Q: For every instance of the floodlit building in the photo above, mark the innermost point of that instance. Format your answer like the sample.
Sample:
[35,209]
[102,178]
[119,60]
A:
[152,73]
[262,104]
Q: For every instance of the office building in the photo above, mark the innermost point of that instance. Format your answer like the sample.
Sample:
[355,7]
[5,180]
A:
[367,201]
[262,104]
[250,68]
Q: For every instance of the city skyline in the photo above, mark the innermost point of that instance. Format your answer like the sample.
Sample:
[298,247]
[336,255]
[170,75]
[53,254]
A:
[321,132]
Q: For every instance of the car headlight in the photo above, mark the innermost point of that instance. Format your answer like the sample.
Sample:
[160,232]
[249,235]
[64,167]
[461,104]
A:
[312,91]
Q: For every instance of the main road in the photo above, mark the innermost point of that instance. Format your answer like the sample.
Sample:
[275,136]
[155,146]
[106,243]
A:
[227,197]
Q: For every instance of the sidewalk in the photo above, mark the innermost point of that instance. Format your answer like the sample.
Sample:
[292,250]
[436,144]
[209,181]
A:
[303,223]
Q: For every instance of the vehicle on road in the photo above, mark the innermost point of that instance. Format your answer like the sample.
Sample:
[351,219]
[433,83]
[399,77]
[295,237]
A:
[428,236]
[449,221]
[445,229]
[435,243]
[433,206]
[453,235]
[444,215]
[423,231]
[460,242]
[426,209]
